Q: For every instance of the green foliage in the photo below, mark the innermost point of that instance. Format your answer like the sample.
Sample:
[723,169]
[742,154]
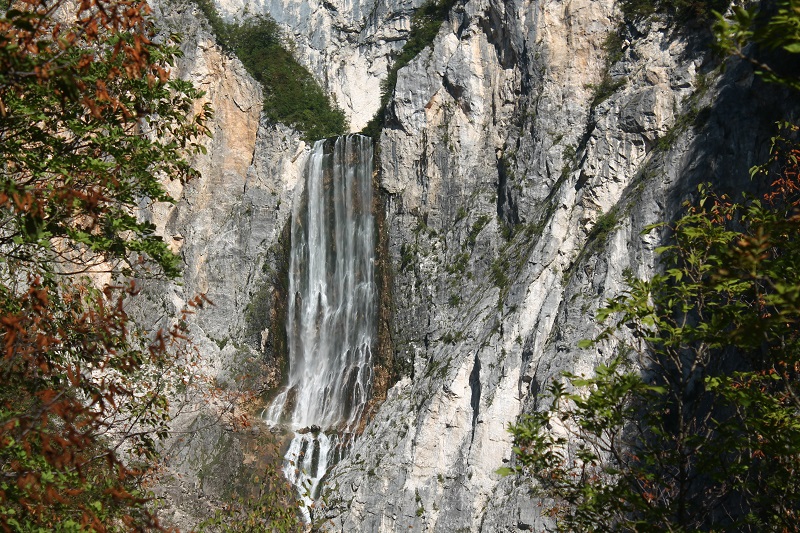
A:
[665,142]
[271,509]
[613,45]
[425,26]
[606,88]
[458,266]
[91,126]
[476,229]
[604,225]
[449,338]
[507,231]
[608,85]
[678,10]
[597,238]
[706,436]
[291,94]
[778,32]
[712,420]
[406,256]
[75,162]
[499,273]
[694,116]
[593,492]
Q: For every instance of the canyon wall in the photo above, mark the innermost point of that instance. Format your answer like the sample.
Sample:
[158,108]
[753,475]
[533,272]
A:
[524,153]
[228,227]
[347,44]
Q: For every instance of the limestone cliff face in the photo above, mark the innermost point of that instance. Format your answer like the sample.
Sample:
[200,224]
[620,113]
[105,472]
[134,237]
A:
[515,194]
[516,177]
[227,227]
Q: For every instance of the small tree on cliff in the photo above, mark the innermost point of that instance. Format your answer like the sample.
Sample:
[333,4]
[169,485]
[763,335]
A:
[90,125]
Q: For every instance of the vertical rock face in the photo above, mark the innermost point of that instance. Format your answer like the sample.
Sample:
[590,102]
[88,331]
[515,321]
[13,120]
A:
[226,226]
[224,223]
[518,167]
[518,175]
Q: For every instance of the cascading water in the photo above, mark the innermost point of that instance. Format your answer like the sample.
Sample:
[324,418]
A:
[331,310]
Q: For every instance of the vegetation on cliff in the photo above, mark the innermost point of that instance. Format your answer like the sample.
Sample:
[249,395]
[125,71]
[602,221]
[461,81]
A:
[291,94]
[679,10]
[425,25]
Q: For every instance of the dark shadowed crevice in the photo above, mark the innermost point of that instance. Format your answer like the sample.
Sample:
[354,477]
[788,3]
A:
[475,398]
[507,210]
[494,26]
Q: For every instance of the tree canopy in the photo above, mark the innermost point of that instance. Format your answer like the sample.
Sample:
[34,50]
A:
[91,126]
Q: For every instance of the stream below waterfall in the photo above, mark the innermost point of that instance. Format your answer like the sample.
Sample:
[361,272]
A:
[331,311]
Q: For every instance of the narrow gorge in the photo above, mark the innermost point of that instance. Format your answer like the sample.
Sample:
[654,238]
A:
[395,311]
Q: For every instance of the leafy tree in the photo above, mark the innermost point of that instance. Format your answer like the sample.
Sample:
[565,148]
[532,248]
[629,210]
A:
[90,126]
[694,425]
[775,31]
[706,436]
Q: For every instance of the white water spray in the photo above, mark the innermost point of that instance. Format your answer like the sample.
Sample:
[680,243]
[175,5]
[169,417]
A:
[331,310]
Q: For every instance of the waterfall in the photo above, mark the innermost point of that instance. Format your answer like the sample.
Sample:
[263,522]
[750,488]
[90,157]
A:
[331,310]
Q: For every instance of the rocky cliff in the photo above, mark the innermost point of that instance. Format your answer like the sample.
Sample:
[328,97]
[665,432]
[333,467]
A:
[227,227]
[520,164]
[348,45]
[523,154]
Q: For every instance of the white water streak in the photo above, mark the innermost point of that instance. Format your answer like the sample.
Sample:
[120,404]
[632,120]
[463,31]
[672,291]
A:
[331,310]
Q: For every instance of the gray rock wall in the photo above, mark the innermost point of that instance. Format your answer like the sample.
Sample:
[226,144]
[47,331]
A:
[227,226]
[514,198]
[346,44]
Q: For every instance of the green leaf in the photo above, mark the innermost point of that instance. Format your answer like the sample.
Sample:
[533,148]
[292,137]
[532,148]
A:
[504,471]
[585,343]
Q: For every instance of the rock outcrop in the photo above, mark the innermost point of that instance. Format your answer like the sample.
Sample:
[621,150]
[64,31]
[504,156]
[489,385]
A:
[347,45]
[519,167]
